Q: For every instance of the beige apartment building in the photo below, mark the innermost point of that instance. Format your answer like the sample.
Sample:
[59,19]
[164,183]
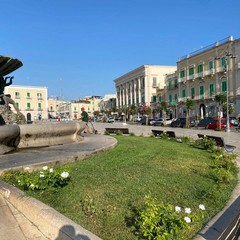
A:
[202,75]
[138,87]
[72,109]
[31,101]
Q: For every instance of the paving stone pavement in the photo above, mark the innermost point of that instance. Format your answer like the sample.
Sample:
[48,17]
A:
[13,225]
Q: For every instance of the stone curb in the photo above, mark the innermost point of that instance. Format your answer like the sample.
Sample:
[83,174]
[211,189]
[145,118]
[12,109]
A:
[217,226]
[50,222]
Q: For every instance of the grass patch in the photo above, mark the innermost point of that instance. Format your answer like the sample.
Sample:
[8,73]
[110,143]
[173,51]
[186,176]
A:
[107,190]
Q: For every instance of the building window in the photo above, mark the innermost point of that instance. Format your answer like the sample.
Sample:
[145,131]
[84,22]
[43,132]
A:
[170,98]
[183,93]
[182,74]
[75,108]
[200,68]
[192,92]
[17,94]
[175,83]
[160,98]
[154,82]
[175,97]
[211,89]
[28,95]
[39,95]
[143,99]
[210,65]
[39,106]
[170,84]
[154,98]
[224,86]
[28,105]
[223,60]
[17,104]
[201,90]
[191,70]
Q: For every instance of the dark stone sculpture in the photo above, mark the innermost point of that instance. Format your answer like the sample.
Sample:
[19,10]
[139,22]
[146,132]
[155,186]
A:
[6,115]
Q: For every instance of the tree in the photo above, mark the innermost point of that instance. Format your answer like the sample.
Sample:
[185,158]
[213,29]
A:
[189,105]
[164,107]
[221,99]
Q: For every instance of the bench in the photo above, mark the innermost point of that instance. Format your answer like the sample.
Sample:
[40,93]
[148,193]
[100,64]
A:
[114,130]
[219,142]
[157,133]
[171,134]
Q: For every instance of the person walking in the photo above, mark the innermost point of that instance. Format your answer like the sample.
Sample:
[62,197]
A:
[85,118]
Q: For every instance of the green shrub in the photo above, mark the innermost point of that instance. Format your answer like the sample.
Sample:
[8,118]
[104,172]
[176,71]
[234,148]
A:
[118,132]
[160,221]
[106,132]
[47,178]
[205,143]
[132,134]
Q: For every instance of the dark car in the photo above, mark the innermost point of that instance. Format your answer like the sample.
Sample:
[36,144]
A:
[203,123]
[179,122]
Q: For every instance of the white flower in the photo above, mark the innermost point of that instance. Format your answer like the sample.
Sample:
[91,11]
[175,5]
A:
[64,174]
[187,219]
[51,170]
[27,168]
[202,207]
[188,210]
[41,175]
[177,209]
[19,181]
[41,172]
[45,168]
[32,185]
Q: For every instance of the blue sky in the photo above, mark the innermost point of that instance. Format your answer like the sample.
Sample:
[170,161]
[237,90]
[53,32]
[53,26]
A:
[78,47]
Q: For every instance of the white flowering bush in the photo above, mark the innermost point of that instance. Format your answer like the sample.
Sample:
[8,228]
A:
[41,180]
[161,221]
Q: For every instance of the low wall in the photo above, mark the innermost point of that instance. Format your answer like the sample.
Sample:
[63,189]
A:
[51,223]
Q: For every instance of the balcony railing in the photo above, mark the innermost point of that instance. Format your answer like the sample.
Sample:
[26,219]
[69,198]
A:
[209,72]
[182,79]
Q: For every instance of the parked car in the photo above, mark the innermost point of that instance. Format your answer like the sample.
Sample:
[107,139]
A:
[160,122]
[181,122]
[215,123]
[234,121]
[157,122]
[203,123]
[111,120]
[143,120]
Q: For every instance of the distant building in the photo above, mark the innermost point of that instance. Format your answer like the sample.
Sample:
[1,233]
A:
[72,109]
[31,101]
[138,87]
[108,103]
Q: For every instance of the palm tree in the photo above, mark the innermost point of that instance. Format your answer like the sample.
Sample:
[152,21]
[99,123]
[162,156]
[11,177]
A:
[164,107]
[189,105]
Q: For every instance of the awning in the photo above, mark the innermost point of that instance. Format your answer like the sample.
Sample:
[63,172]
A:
[8,65]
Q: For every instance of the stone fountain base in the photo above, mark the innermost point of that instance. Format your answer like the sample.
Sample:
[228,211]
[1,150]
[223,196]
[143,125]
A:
[39,135]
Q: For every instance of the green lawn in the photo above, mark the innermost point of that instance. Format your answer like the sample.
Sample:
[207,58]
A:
[106,190]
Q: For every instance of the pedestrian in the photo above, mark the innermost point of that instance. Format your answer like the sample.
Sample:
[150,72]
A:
[85,119]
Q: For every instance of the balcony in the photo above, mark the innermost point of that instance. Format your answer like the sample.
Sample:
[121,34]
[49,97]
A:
[221,69]
[28,109]
[191,77]
[209,72]
[182,79]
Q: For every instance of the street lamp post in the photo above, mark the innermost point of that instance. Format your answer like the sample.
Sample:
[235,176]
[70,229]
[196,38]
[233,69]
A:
[227,124]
